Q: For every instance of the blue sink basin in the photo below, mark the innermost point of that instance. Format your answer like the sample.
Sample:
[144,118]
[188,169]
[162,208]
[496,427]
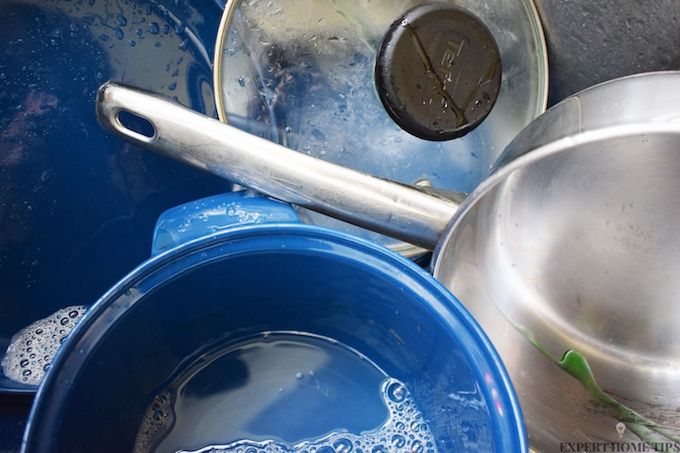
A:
[77,206]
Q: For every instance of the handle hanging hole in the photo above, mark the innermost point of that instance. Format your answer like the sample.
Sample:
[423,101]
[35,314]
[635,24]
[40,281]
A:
[136,124]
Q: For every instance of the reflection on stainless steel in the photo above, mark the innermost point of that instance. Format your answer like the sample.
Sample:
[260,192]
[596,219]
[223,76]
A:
[574,239]
[307,68]
[274,170]
[578,242]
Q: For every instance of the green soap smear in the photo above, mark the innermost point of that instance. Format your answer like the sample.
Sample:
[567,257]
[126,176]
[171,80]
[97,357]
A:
[574,363]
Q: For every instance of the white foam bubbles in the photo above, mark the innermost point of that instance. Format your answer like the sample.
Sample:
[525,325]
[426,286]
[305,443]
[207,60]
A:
[404,431]
[32,349]
[157,418]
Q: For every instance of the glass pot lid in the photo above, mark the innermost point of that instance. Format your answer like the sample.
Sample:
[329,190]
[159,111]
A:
[422,93]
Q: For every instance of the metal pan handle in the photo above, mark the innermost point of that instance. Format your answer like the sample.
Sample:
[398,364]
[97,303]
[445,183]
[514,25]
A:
[373,203]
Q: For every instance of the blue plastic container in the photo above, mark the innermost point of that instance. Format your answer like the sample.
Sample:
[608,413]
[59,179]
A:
[240,281]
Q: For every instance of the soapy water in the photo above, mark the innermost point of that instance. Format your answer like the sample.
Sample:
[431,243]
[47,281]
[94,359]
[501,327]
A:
[404,431]
[157,418]
[32,349]
[283,392]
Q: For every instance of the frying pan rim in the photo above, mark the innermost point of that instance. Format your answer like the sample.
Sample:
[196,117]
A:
[558,146]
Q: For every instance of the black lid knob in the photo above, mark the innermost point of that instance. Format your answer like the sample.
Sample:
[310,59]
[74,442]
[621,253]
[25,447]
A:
[438,72]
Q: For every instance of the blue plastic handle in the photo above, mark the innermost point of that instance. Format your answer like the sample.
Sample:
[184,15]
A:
[206,216]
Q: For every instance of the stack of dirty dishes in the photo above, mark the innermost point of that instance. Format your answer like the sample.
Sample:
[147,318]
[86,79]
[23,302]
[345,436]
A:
[391,128]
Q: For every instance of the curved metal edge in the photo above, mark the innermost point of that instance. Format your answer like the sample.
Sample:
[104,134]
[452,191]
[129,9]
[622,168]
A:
[504,173]
[546,150]
[403,248]
[230,9]
[530,6]
[220,40]
[537,155]
[408,250]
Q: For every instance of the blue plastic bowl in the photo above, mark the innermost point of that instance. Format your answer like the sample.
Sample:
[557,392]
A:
[282,276]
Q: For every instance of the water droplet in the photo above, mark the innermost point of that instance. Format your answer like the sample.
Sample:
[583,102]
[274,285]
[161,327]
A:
[132,43]
[242,81]
[119,33]
[396,392]
[63,322]
[122,20]
[342,445]
[73,313]
[298,375]
[23,363]
[154,28]
[172,86]
[417,447]
[398,441]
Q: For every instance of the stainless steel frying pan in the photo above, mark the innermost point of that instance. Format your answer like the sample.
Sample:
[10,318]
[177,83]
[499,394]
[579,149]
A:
[568,255]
